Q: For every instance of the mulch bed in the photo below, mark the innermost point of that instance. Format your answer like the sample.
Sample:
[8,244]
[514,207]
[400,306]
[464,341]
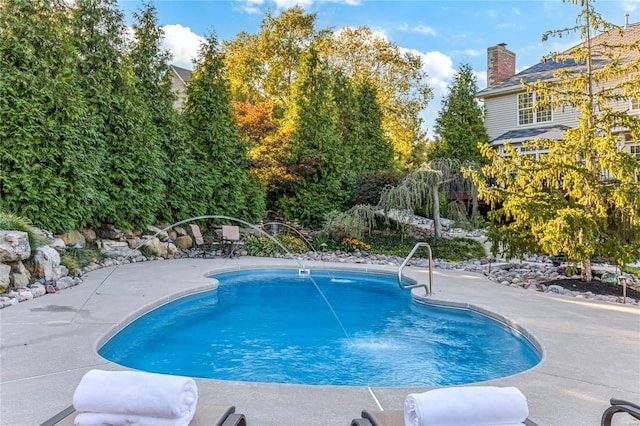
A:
[595,287]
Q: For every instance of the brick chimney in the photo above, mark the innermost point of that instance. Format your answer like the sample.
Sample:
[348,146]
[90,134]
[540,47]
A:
[501,64]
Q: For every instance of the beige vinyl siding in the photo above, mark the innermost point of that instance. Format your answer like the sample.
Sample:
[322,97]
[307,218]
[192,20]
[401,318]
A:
[502,116]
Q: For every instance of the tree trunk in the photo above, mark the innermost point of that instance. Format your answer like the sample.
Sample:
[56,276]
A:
[585,273]
[435,199]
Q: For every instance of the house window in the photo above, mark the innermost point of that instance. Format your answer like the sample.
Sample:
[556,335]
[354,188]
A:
[635,104]
[528,113]
[635,151]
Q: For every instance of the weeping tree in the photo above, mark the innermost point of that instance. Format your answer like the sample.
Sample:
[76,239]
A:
[353,222]
[421,189]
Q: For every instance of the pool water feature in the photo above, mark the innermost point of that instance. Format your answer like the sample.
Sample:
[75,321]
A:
[273,326]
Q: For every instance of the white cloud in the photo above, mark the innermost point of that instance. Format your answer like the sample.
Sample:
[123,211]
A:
[285,4]
[516,11]
[439,68]
[182,43]
[253,6]
[421,29]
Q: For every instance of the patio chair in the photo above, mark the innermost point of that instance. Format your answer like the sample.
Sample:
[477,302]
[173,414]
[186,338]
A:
[231,239]
[206,415]
[392,418]
[464,405]
[200,242]
[619,406]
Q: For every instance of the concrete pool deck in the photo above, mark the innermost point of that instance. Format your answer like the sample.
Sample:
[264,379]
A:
[591,349]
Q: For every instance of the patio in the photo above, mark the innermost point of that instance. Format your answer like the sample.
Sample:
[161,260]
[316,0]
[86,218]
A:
[591,349]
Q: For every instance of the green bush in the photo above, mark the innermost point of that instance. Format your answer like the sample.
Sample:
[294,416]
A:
[71,264]
[451,250]
[264,246]
[369,185]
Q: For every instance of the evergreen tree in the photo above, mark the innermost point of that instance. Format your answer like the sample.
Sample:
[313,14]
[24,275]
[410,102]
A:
[47,164]
[375,151]
[317,149]
[581,196]
[131,157]
[222,169]
[459,127]
[152,70]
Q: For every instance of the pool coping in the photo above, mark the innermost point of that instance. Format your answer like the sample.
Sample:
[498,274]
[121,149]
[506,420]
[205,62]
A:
[591,349]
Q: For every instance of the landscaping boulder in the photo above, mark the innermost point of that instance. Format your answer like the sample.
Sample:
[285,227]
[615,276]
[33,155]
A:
[162,236]
[58,244]
[74,237]
[154,247]
[47,263]
[89,235]
[20,276]
[609,278]
[14,246]
[116,249]
[184,242]
[5,280]
[109,232]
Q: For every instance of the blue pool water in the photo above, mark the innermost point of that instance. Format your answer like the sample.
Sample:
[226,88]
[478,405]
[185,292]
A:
[273,325]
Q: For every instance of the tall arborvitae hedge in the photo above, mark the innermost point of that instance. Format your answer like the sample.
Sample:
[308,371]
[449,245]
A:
[48,166]
[319,154]
[132,163]
[151,67]
[221,168]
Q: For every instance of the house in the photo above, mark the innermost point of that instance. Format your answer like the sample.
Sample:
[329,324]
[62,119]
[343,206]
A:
[179,79]
[510,113]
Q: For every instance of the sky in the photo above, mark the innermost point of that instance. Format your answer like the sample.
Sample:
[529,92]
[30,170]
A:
[445,34]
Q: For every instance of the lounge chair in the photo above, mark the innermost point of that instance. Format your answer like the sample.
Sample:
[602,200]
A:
[231,239]
[199,241]
[392,418]
[206,415]
[619,406]
[481,405]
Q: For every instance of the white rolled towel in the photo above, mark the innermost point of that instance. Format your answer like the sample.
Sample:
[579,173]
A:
[107,419]
[466,406]
[137,393]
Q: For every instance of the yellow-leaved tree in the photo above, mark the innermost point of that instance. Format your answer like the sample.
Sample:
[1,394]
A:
[581,194]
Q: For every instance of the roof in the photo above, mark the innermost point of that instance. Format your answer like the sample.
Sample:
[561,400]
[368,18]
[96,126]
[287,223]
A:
[182,73]
[545,70]
[553,131]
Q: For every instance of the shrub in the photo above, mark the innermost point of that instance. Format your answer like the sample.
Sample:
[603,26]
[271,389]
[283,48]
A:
[265,246]
[71,264]
[369,185]
[352,244]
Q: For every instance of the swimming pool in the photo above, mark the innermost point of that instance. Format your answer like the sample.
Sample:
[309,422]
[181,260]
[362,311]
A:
[360,329]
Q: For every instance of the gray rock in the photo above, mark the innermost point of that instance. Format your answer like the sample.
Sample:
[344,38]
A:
[64,282]
[14,246]
[38,290]
[58,245]
[115,249]
[609,278]
[20,277]
[5,279]
[47,263]
[556,289]
[157,232]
